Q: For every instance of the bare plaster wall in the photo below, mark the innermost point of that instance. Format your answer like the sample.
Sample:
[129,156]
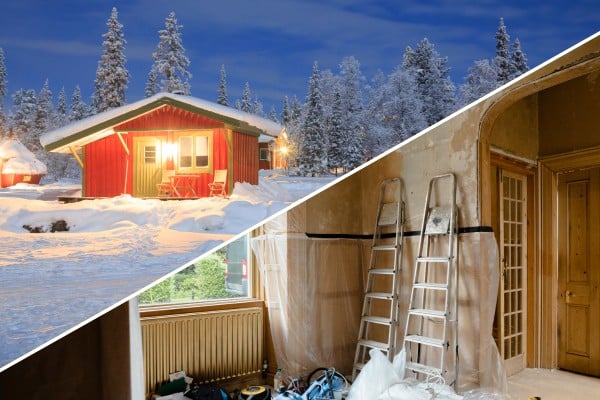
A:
[569,116]
[337,209]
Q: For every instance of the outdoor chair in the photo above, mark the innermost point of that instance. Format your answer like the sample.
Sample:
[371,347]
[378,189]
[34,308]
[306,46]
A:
[217,187]
[165,187]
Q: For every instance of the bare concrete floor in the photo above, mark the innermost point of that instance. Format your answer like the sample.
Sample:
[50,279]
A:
[553,385]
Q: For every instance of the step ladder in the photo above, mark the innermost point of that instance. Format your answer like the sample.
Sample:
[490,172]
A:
[379,318]
[432,319]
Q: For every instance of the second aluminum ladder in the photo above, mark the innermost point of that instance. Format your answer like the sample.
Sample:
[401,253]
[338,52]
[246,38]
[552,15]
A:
[379,319]
[432,320]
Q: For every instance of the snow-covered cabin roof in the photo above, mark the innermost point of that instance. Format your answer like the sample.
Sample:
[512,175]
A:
[101,125]
[18,159]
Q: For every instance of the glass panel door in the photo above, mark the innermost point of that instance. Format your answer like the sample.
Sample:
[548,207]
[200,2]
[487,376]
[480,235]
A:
[513,263]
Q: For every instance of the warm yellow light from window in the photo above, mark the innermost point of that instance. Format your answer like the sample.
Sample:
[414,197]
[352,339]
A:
[169,150]
[283,150]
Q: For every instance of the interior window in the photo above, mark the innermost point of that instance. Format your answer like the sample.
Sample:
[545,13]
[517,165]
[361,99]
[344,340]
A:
[221,275]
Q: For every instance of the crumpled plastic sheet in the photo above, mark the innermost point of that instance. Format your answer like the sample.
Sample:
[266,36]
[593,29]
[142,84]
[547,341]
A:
[382,380]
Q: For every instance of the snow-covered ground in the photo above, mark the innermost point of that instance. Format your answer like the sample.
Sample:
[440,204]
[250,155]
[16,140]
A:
[51,282]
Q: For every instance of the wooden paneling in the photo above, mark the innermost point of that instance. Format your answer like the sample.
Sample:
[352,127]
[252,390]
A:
[245,158]
[106,166]
[168,117]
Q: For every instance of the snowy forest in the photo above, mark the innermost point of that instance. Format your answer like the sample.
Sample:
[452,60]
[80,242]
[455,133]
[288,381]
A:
[344,120]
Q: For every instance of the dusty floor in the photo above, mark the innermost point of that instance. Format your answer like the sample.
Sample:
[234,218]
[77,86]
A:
[553,385]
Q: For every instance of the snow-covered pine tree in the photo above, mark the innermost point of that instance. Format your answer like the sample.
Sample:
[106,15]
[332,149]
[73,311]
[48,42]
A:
[502,59]
[312,152]
[434,85]
[79,110]
[246,102]
[22,121]
[518,60]
[296,109]
[273,114]
[61,117]
[3,81]
[112,76]
[403,114]
[336,151]
[480,80]
[257,107]
[222,97]
[351,81]
[44,114]
[152,84]
[286,113]
[3,92]
[373,115]
[170,61]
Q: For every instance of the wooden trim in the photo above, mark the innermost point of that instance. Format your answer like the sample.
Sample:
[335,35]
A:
[74,152]
[586,158]
[120,136]
[512,164]
[228,133]
[195,307]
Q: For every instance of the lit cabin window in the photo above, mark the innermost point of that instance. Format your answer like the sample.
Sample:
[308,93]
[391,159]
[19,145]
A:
[194,152]
[201,150]
[150,154]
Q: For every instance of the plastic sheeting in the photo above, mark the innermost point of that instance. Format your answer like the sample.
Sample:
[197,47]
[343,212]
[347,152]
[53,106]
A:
[314,294]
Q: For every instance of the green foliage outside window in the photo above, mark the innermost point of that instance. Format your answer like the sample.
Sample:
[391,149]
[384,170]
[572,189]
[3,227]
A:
[204,280]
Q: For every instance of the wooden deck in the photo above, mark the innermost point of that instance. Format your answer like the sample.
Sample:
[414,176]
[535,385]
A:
[75,199]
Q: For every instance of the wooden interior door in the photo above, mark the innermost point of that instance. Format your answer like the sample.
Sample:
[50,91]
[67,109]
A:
[147,166]
[579,271]
[511,317]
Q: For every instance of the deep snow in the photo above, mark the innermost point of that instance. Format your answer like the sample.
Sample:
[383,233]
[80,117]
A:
[50,283]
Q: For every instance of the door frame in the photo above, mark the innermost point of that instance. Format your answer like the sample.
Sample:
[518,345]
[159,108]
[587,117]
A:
[529,170]
[547,269]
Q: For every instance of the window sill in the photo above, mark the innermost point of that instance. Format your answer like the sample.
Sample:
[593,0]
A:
[157,310]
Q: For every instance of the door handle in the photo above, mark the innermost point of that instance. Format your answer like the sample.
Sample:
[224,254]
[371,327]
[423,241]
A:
[568,295]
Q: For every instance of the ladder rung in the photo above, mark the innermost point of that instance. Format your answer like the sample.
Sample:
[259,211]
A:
[384,247]
[377,320]
[423,369]
[432,286]
[380,295]
[381,271]
[425,340]
[374,344]
[434,259]
[423,312]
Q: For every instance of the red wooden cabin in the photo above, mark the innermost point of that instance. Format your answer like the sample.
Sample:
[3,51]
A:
[18,164]
[133,148]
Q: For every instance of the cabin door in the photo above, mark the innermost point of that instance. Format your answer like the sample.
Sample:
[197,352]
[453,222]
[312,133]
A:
[511,314]
[147,166]
[579,271]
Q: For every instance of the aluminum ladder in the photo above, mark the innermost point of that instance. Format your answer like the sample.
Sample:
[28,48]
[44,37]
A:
[432,319]
[379,318]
